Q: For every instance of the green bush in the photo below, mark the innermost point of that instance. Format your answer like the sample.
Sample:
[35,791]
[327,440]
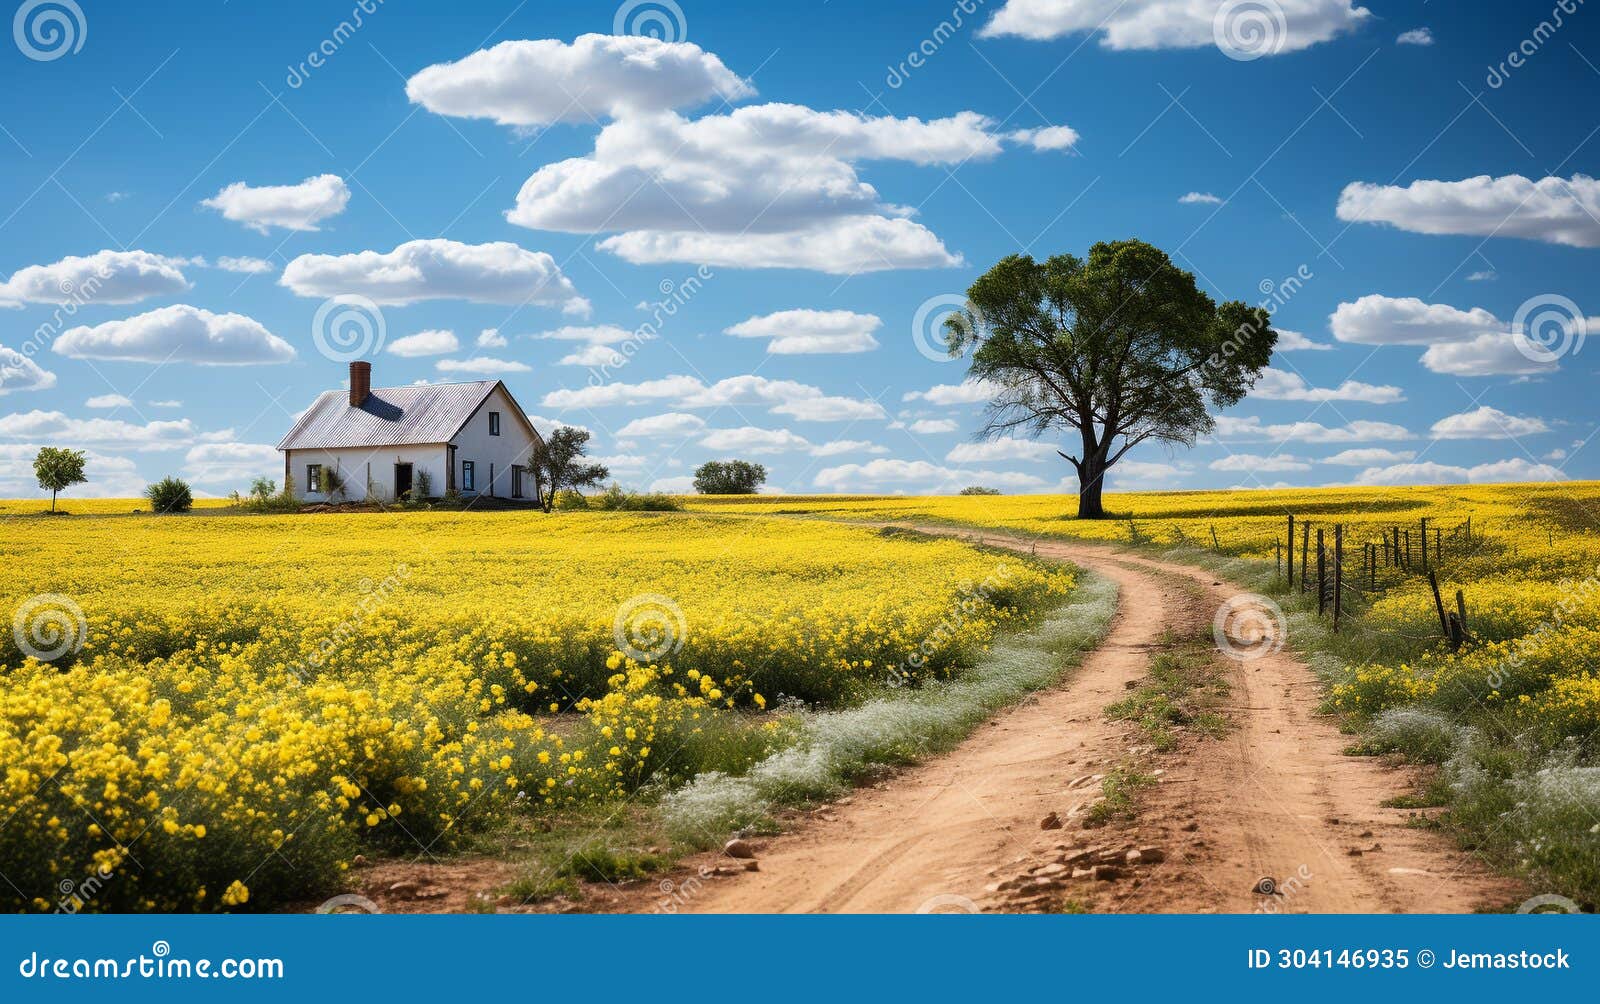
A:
[169,495]
[614,499]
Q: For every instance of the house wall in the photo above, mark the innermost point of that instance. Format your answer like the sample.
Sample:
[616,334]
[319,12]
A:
[355,463]
[514,445]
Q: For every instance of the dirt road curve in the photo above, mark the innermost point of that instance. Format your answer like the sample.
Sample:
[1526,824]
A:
[1275,798]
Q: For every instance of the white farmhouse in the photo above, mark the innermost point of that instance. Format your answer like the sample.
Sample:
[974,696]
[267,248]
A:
[385,442]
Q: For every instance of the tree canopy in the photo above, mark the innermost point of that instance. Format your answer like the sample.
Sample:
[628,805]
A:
[729,477]
[58,470]
[1120,347]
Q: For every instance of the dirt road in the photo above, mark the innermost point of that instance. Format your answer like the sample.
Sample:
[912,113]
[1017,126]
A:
[1274,799]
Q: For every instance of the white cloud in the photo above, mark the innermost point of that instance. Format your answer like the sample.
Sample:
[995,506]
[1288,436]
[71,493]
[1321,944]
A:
[1251,429]
[839,446]
[1278,385]
[1438,474]
[291,207]
[251,266]
[1294,341]
[222,463]
[831,409]
[438,269]
[672,423]
[55,427]
[1250,462]
[433,342]
[750,439]
[630,463]
[681,485]
[545,81]
[170,403]
[108,401]
[966,392]
[1552,209]
[1046,137]
[1416,36]
[103,277]
[784,397]
[18,372]
[491,338]
[484,365]
[931,426]
[768,186]
[1005,448]
[1369,457]
[1128,475]
[808,332]
[1385,320]
[1489,354]
[1485,422]
[593,355]
[1201,198]
[901,474]
[599,334]
[602,395]
[1483,275]
[1291,25]
[109,476]
[179,333]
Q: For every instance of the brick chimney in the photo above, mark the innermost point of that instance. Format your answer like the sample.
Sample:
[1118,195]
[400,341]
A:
[360,382]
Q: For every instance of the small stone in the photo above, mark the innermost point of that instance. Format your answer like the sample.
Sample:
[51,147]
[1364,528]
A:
[1366,834]
[1354,852]
[1050,822]
[405,889]
[1133,857]
[752,865]
[1106,873]
[1190,826]
[1082,873]
[1051,869]
[737,848]
[359,860]
[1152,855]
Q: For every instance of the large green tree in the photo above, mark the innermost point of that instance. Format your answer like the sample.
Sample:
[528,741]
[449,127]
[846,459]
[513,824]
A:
[1120,347]
[729,477]
[558,463]
[58,470]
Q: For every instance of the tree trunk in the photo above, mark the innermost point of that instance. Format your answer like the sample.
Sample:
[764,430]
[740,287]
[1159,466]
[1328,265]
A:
[52,500]
[1091,480]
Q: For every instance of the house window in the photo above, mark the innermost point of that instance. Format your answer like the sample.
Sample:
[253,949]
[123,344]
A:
[469,476]
[313,477]
[494,423]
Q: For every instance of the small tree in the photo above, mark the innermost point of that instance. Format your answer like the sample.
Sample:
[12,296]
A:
[58,470]
[979,490]
[558,463]
[261,490]
[729,477]
[169,495]
[332,481]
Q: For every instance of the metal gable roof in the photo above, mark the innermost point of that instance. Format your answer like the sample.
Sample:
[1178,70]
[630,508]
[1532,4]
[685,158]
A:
[391,416]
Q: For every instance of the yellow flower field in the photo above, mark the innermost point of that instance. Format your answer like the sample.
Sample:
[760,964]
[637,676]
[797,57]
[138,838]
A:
[231,706]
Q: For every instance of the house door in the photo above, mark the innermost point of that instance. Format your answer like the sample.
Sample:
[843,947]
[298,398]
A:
[402,480]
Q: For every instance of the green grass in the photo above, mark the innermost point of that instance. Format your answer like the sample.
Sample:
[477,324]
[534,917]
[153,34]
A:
[1185,687]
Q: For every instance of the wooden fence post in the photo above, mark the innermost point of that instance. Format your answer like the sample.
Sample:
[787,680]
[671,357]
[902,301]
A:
[1291,552]
[1424,543]
[1372,570]
[1338,572]
[1305,546]
[1322,576]
[1438,602]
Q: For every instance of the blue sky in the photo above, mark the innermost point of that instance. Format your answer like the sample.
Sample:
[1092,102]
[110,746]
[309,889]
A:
[218,187]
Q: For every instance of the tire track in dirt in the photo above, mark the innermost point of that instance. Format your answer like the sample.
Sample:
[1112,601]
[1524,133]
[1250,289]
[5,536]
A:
[1274,798]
